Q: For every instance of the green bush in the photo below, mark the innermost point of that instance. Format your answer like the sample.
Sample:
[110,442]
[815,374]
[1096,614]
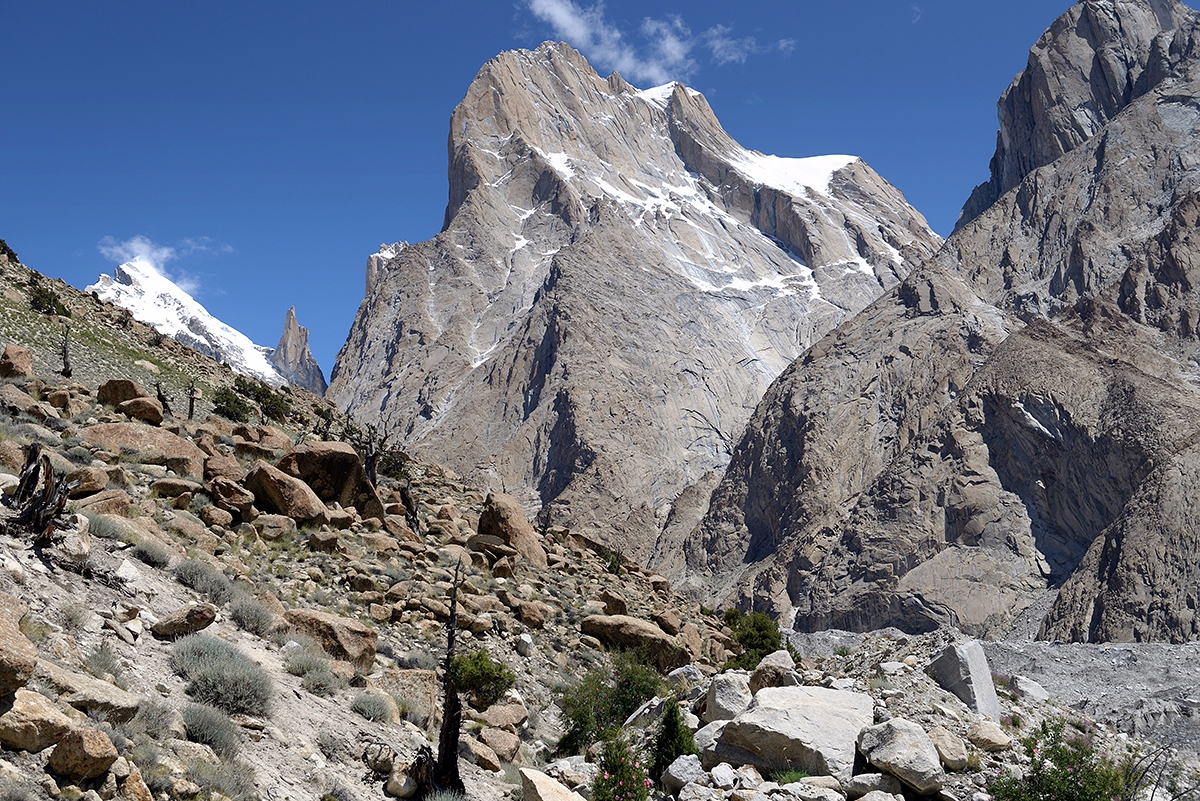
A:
[152,554]
[787,776]
[758,635]
[372,706]
[204,579]
[672,740]
[1063,767]
[213,728]
[601,701]
[250,615]
[104,661]
[484,679]
[221,676]
[273,405]
[333,747]
[231,406]
[322,681]
[622,775]
[44,300]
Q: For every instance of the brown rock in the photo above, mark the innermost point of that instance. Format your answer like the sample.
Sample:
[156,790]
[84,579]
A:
[273,527]
[668,621]
[18,656]
[506,716]
[623,631]
[83,754]
[537,786]
[481,755]
[230,496]
[274,438]
[502,517]
[950,747]
[133,787]
[118,390]
[276,491]
[689,635]
[89,480]
[505,744]
[533,613]
[323,541]
[988,736]
[415,690]
[342,638]
[59,399]
[185,620]
[220,465]
[148,410]
[31,722]
[16,362]
[87,693]
[17,401]
[174,487]
[110,502]
[336,474]
[215,516]
[614,602]
[152,445]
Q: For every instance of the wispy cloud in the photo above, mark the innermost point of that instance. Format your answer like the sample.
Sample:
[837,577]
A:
[146,252]
[917,14]
[663,51]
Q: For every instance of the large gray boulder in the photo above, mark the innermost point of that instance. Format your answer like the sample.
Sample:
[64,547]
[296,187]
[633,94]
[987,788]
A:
[728,696]
[963,670]
[813,729]
[683,770]
[903,749]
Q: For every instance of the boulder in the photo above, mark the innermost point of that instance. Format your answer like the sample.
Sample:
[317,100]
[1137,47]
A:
[171,487]
[950,747]
[814,729]
[1026,687]
[480,754]
[87,693]
[16,362]
[83,754]
[220,465]
[215,516]
[614,602]
[113,502]
[148,410]
[502,517]
[335,472]
[116,391]
[87,480]
[31,722]
[506,744]
[963,670]
[623,631]
[276,491]
[684,770]
[537,786]
[903,749]
[723,776]
[152,446]
[342,638]
[18,656]
[16,401]
[416,690]
[988,736]
[806,790]
[774,670]
[506,716]
[186,619]
[864,783]
[728,696]
[668,621]
[227,494]
[273,527]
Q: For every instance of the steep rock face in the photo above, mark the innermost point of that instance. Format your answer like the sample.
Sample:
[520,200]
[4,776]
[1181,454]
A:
[294,360]
[1051,441]
[616,284]
[1092,62]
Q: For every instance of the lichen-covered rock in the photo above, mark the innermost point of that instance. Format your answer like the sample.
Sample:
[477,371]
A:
[31,722]
[83,754]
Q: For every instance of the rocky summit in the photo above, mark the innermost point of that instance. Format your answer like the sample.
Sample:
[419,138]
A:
[1006,440]
[616,284]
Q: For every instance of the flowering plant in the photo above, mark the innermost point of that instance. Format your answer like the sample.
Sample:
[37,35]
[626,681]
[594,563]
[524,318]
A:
[622,774]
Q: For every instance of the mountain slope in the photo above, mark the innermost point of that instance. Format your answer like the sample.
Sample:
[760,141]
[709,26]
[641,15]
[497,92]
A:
[616,284]
[1051,442]
[159,302]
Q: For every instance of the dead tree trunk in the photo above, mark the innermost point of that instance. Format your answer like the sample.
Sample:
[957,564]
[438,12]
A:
[445,773]
[35,509]
[65,372]
[191,400]
[163,399]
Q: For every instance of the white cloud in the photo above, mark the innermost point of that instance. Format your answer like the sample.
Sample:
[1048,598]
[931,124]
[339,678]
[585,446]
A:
[139,249]
[146,252]
[664,52]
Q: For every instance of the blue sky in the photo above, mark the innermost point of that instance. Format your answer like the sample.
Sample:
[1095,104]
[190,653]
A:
[266,148]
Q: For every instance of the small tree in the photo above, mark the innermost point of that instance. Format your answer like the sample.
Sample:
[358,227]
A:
[445,772]
[481,677]
[66,371]
[758,635]
[622,774]
[597,705]
[672,740]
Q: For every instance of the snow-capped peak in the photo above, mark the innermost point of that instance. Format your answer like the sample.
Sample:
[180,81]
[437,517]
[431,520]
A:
[159,302]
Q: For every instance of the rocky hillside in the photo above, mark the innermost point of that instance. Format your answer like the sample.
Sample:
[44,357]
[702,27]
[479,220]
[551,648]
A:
[1013,428]
[616,284]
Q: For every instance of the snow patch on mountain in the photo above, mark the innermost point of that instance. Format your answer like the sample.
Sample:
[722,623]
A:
[159,302]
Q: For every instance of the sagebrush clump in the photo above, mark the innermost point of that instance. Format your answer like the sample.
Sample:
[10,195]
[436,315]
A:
[205,579]
[222,676]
